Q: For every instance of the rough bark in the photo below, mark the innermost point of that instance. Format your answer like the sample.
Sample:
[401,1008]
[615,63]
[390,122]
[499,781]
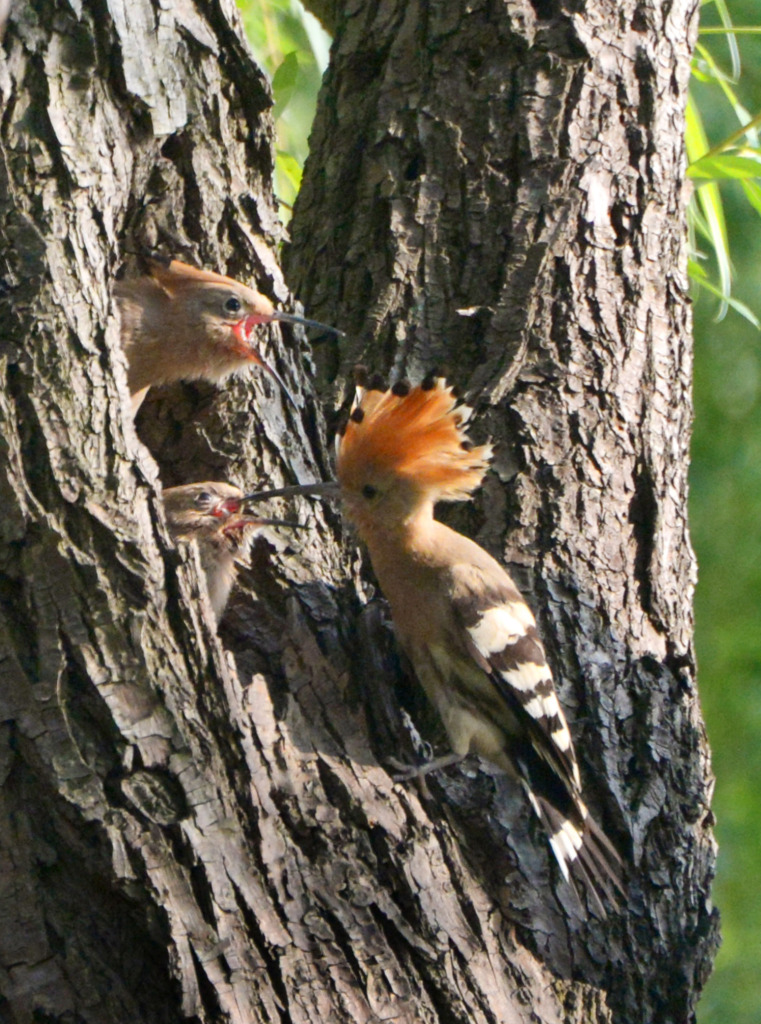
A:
[203,829]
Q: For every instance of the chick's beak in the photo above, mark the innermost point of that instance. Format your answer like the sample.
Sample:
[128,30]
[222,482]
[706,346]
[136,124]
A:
[243,520]
[265,521]
[266,314]
[290,318]
[233,508]
[242,331]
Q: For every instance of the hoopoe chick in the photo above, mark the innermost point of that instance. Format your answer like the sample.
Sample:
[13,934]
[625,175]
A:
[459,617]
[212,515]
[181,323]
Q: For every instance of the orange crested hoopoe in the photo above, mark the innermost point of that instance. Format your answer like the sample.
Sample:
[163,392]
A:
[181,323]
[459,617]
[213,515]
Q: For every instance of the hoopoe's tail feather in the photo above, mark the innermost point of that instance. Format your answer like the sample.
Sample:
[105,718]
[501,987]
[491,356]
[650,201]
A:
[584,853]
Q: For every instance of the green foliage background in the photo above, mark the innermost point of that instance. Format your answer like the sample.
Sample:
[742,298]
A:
[725,510]
[725,502]
[292,47]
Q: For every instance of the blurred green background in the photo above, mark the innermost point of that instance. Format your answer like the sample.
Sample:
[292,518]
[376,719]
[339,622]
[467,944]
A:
[725,510]
[725,503]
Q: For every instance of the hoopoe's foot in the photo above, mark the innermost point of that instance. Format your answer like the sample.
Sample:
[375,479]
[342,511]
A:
[405,772]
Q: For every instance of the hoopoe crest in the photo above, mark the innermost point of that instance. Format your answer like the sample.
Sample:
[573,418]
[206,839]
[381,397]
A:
[405,448]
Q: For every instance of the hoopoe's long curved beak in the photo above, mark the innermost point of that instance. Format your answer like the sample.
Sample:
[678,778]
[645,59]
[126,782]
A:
[242,332]
[291,318]
[239,522]
[267,314]
[273,373]
[328,489]
[236,506]
[266,521]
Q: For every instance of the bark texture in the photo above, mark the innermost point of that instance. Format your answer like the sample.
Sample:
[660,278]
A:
[200,829]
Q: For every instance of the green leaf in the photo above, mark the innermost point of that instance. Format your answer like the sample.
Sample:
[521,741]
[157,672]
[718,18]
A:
[706,207]
[705,58]
[284,80]
[696,140]
[701,76]
[724,166]
[701,227]
[734,52]
[290,168]
[696,271]
[737,30]
[741,112]
[752,192]
[709,200]
[727,300]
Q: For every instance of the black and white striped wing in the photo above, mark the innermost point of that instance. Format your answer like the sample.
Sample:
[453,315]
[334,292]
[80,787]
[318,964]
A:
[500,633]
[498,630]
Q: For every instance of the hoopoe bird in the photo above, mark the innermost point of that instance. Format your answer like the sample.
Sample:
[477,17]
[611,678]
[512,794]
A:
[471,638]
[212,514]
[181,323]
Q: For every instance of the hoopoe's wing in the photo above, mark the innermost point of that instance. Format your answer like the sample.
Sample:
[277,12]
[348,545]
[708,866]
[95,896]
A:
[498,630]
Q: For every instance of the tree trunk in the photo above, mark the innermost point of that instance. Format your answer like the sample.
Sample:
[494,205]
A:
[204,829]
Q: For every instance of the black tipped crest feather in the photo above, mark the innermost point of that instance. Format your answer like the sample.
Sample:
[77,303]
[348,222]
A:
[415,433]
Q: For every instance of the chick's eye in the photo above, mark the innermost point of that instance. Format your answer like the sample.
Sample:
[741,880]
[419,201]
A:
[233,305]
[203,500]
[369,491]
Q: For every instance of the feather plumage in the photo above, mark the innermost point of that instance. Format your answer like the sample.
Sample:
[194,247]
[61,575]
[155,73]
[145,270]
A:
[416,436]
[182,323]
[469,634]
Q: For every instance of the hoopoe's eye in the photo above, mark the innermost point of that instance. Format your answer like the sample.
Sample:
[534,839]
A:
[369,491]
[233,305]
